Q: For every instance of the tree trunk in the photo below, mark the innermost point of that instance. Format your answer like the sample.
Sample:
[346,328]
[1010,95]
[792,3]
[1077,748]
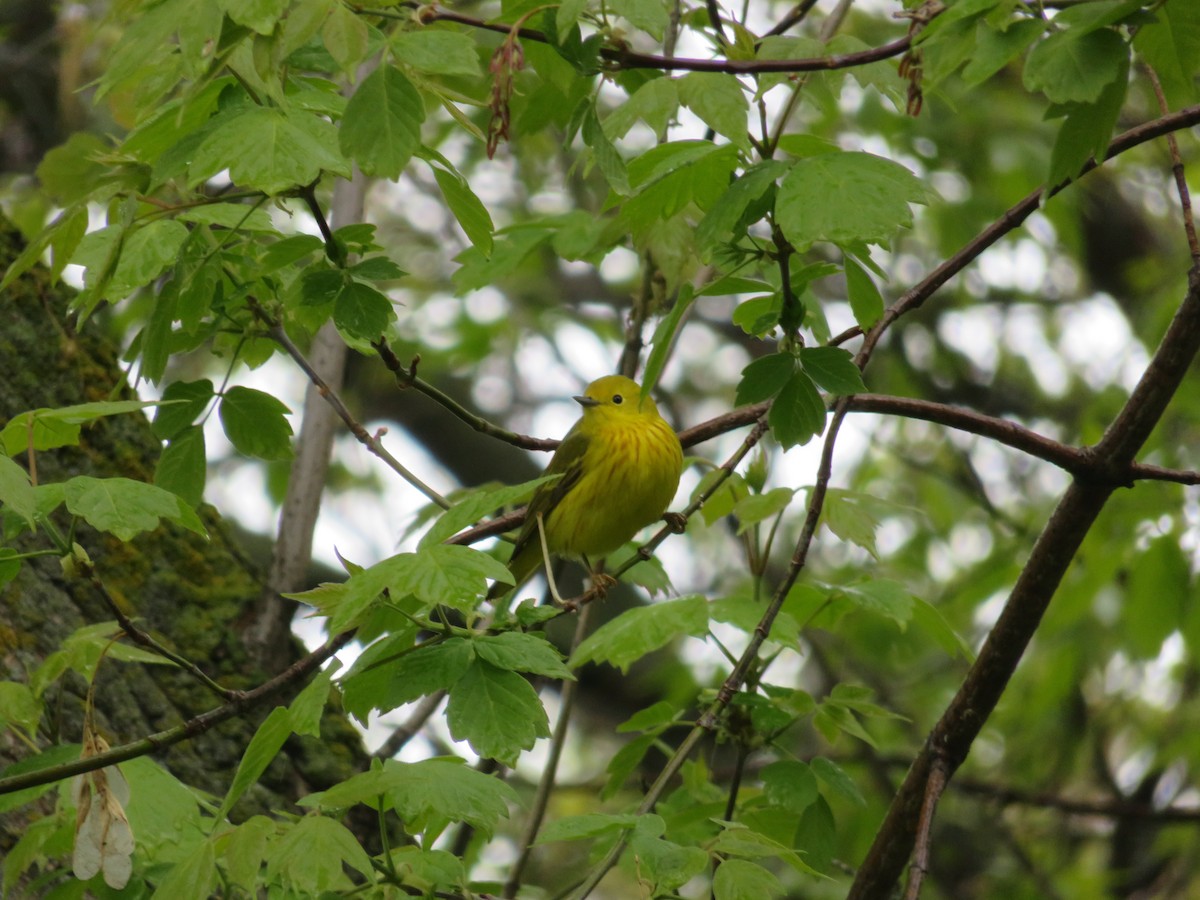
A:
[191,594]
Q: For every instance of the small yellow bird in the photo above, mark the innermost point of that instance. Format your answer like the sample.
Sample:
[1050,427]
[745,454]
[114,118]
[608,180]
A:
[620,466]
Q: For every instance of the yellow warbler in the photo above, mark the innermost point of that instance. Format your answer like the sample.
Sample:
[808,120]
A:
[620,467]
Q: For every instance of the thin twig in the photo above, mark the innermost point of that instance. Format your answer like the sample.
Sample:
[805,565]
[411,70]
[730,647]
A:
[407,377]
[1181,186]
[623,58]
[155,743]
[402,734]
[1012,218]
[794,17]
[920,864]
[277,333]
[88,571]
[541,798]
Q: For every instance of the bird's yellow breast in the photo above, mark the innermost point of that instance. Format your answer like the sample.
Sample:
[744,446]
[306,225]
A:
[630,474]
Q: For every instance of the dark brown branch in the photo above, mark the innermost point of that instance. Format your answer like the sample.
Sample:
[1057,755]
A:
[952,737]
[623,58]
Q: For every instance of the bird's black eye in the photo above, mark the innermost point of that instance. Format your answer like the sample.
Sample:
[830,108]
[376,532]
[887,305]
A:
[617,398]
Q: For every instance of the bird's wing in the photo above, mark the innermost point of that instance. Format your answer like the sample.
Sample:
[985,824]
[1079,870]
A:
[567,462]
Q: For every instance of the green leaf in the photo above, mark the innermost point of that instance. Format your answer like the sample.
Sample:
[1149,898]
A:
[846,198]
[63,235]
[764,378]
[308,708]
[1158,594]
[798,413]
[258,15]
[519,652]
[346,37]
[649,15]
[163,811]
[16,490]
[453,575]
[624,763]
[720,102]
[653,718]
[437,52]
[448,789]
[667,864]
[53,756]
[246,850]
[476,505]
[280,254]
[393,672]
[191,878]
[1087,129]
[641,630]
[268,740]
[308,858]
[755,508]
[192,398]
[1171,44]
[568,16]
[816,835]
[126,508]
[655,103]
[738,840]
[291,148]
[18,707]
[426,793]
[362,312]
[758,315]
[608,158]
[234,216]
[119,262]
[71,171]
[472,215]
[664,337]
[882,596]
[996,49]
[790,784]
[183,466]
[865,300]
[585,827]
[833,369]
[497,712]
[671,176]
[256,423]
[832,775]
[740,879]
[725,217]
[1073,67]
[849,515]
[930,618]
[382,124]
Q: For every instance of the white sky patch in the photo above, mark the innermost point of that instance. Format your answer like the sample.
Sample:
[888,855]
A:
[1025,335]
[1097,339]
[974,332]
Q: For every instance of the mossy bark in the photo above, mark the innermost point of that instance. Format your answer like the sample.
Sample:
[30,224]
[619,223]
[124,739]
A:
[191,594]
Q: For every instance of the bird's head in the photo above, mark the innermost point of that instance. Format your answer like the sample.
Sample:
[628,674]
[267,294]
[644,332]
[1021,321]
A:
[615,396]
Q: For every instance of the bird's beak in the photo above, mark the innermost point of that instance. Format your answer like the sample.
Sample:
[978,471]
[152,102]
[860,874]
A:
[586,402]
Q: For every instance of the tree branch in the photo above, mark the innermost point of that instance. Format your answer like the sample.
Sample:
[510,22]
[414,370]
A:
[189,729]
[953,735]
[624,58]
